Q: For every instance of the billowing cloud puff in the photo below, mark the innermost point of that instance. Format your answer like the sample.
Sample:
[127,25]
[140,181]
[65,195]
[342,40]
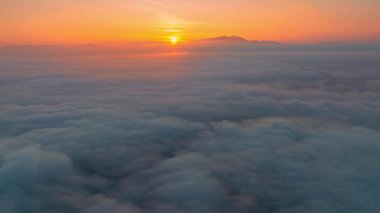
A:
[235,131]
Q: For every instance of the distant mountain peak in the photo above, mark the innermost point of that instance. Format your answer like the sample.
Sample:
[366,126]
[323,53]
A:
[237,39]
[227,39]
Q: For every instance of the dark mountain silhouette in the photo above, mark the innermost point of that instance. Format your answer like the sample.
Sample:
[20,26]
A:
[237,39]
[227,39]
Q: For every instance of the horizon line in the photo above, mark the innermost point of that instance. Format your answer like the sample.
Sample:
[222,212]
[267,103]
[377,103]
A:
[217,39]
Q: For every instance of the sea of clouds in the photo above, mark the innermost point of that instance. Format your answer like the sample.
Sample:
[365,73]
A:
[96,130]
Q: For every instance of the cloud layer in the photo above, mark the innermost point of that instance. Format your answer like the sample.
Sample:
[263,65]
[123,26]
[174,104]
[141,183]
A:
[271,131]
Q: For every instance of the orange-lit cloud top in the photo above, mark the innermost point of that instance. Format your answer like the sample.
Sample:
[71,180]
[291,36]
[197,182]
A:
[92,21]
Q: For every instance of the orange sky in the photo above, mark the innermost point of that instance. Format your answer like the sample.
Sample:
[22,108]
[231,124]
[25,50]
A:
[96,21]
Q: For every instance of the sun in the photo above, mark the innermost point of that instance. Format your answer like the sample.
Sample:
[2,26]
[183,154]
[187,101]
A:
[174,40]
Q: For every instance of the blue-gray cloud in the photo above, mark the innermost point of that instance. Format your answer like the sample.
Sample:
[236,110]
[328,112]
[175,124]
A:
[234,131]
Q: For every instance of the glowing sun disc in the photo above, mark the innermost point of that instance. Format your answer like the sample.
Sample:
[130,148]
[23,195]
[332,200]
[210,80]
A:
[173,39]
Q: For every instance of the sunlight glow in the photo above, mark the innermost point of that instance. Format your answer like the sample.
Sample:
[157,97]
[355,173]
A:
[101,21]
[174,40]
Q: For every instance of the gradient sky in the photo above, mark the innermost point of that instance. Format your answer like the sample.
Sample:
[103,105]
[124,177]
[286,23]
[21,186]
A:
[92,21]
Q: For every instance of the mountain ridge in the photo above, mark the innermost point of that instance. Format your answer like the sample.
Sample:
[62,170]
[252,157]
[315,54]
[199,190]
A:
[238,39]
